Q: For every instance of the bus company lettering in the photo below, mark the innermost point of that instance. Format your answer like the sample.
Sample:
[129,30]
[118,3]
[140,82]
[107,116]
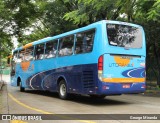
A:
[126,57]
[119,61]
[121,65]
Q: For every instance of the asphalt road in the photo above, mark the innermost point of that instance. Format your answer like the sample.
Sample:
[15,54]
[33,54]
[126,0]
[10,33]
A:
[39,102]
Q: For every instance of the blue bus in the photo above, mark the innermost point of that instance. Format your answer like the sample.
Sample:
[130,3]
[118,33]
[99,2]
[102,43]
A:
[101,59]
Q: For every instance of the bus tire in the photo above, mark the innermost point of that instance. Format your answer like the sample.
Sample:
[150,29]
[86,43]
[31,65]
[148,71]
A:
[63,90]
[22,89]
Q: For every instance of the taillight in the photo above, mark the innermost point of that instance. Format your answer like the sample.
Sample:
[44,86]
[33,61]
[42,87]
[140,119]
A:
[100,63]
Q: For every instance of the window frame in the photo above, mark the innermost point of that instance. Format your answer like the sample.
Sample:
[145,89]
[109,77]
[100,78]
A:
[95,29]
[53,41]
[125,46]
[15,52]
[32,52]
[73,46]
[21,57]
[35,52]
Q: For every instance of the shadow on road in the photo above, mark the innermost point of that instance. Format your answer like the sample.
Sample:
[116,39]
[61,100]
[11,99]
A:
[80,98]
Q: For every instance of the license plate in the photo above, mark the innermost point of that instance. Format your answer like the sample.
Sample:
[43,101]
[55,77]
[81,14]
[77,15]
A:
[126,86]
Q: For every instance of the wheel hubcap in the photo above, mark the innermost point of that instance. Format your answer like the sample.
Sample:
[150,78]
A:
[63,89]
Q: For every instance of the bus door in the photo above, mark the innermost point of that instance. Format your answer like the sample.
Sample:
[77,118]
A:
[26,67]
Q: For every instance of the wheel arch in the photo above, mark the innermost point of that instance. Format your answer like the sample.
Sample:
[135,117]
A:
[18,80]
[59,78]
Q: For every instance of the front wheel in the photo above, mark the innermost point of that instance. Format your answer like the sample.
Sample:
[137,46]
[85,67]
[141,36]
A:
[63,90]
[22,89]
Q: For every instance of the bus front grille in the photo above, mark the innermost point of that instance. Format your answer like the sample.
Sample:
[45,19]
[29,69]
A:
[88,80]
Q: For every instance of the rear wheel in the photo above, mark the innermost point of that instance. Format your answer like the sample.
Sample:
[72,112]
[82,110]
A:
[22,89]
[63,90]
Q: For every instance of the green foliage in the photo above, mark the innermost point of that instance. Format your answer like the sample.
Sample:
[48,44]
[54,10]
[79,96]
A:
[24,13]
[5,39]
[154,12]
[90,11]
[53,16]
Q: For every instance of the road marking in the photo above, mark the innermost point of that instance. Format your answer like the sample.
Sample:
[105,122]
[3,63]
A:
[24,105]
[44,112]
[17,121]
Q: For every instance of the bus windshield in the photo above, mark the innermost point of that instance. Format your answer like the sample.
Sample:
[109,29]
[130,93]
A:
[124,36]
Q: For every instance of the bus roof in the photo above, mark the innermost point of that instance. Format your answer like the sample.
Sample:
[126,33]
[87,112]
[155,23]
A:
[90,26]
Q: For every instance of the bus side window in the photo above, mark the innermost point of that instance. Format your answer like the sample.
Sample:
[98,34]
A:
[13,63]
[90,40]
[29,54]
[51,49]
[15,56]
[18,57]
[84,42]
[66,46]
[39,51]
[21,56]
[79,42]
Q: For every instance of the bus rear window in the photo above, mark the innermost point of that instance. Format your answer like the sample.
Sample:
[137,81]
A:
[124,36]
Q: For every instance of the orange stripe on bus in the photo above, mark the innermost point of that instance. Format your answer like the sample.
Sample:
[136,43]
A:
[27,45]
[123,80]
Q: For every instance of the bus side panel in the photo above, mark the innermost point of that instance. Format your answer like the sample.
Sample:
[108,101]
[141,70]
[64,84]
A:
[80,79]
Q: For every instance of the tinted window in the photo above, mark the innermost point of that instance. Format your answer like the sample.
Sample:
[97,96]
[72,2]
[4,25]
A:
[66,46]
[29,54]
[124,36]
[15,56]
[39,51]
[84,42]
[51,49]
[13,63]
[21,56]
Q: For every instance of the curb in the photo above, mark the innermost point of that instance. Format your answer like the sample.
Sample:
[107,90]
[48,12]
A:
[152,92]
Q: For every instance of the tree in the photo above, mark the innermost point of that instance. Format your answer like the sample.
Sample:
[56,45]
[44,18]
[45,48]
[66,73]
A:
[54,16]
[5,38]
[90,11]
[23,14]
[154,11]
